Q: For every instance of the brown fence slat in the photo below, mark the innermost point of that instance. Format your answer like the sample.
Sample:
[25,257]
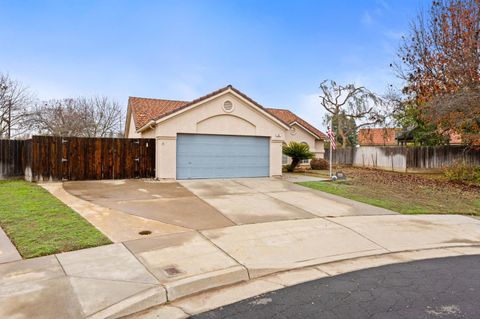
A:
[72,158]
[46,158]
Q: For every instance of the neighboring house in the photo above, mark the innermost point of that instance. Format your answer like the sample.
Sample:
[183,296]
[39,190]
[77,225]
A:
[406,136]
[377,136]
[395,136]
[224,134]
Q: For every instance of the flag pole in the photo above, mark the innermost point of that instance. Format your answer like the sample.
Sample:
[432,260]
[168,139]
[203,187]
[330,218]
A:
[331,137]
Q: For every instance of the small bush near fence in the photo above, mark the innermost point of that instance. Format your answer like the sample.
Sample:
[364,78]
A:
[460,171]
[319,163]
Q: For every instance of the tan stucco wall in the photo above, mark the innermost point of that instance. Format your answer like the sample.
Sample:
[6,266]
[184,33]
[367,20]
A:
[210,118]
[319,149]
[131,130]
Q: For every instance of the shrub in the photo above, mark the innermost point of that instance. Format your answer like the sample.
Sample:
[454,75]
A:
[298,152]
[319,163]
[460,171]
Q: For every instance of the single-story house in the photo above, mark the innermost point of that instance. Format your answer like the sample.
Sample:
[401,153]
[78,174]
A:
[224,134]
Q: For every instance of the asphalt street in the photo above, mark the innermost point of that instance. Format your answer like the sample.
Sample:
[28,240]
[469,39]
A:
[436,288]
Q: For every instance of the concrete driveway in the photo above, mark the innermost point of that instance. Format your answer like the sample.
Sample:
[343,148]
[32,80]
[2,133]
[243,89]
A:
[167,202]
[258,200]
[208,204]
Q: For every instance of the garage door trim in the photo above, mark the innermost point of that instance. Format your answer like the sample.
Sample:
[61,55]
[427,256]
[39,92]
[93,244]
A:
[203,156]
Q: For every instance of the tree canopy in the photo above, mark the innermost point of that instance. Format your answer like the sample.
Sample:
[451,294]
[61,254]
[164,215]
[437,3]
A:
[440,63]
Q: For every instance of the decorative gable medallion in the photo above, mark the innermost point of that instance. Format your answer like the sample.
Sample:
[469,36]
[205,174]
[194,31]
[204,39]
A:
[228,106]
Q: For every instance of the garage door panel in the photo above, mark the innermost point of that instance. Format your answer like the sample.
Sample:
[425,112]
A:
[219,156]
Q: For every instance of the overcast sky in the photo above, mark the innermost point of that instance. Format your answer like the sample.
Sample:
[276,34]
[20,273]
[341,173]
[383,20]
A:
[277,52]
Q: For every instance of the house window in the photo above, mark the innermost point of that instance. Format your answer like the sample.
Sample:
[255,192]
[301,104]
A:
[284,157]
[305,161]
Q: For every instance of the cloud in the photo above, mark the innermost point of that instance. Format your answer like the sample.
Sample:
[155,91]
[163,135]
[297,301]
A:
[367,19]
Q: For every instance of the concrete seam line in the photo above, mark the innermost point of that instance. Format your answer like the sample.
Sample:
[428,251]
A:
[148,270]
[281,201]
[266,278]
[70,284]
[179,308]
[223,251]
[115,280]
[183,309]
[291,205]
[195,195]
[358,233]
[61,266]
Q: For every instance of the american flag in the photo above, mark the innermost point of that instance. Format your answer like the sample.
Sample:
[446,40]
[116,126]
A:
[331,136]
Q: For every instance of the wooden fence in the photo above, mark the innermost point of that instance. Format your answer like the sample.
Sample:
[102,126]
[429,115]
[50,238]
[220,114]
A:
[50,158]
[404,159]
[15,158]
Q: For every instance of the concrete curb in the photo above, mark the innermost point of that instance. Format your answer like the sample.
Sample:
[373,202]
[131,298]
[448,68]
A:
[191,285]
[215,296]
[146,299]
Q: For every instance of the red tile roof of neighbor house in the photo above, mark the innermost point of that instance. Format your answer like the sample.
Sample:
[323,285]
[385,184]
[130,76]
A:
[377,136]
[145,110]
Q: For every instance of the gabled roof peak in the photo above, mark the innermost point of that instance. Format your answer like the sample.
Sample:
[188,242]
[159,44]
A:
[145,110]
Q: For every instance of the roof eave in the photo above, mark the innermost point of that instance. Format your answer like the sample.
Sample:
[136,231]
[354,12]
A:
[306,129]
[149,125]
[220,92]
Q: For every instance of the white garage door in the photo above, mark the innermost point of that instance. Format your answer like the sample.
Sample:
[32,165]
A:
[222,156]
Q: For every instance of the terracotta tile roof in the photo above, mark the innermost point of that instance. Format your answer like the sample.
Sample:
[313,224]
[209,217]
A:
[377,136]
[290,117]
[145,110]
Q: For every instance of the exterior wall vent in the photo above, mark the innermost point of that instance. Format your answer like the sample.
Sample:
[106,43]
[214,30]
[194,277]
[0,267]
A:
[228,106]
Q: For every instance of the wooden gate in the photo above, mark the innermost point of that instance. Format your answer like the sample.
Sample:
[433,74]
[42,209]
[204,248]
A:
[79,158]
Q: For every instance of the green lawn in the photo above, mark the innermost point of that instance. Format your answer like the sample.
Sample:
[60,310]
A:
[39,224]
[404,193]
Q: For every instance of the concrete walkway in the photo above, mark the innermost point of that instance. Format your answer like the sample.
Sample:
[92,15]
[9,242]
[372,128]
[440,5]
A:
[123,278]
[299,177]
[8,252]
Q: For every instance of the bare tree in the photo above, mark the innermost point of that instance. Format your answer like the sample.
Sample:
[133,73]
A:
[108,117]
[82,117]
[350,104]
[14,107]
